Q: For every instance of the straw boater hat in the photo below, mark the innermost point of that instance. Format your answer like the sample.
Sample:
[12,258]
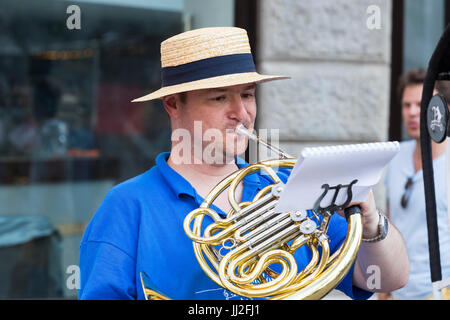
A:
[206,58]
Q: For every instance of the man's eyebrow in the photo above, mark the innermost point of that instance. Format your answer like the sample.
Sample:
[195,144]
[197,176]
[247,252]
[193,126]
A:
[218,90]
[252,86]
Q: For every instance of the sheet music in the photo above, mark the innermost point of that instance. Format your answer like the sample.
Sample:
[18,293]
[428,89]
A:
[334,165]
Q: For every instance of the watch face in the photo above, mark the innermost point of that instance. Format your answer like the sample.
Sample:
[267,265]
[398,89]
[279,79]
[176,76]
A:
[384,228]
[437,118]
[382,223]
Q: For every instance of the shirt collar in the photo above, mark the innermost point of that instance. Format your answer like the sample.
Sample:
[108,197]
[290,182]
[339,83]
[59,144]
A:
[180,185]
[176,182]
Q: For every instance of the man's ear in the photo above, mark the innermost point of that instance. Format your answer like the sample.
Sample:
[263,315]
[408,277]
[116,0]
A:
[172,104]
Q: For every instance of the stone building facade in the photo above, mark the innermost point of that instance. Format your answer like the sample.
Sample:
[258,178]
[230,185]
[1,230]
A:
[339,66]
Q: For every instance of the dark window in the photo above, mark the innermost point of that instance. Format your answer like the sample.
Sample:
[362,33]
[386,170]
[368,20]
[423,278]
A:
[68,129]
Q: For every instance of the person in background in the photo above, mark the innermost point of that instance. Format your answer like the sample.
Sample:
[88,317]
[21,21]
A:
[405,193]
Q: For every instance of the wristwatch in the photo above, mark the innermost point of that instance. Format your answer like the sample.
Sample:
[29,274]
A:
[383,225]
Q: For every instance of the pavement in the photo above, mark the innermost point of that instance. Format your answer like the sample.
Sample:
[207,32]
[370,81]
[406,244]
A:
[338,295]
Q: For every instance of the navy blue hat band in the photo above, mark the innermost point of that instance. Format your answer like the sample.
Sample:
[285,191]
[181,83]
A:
[207,68]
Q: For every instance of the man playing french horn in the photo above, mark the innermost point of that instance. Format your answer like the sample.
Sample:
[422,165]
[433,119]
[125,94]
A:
[208,90]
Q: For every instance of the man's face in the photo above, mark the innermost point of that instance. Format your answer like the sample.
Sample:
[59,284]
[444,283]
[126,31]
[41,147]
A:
[219,111]
[412,96]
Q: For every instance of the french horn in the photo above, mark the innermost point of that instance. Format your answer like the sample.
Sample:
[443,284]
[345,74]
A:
[250,252]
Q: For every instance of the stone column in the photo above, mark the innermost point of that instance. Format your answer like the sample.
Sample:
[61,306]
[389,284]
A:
[340,70]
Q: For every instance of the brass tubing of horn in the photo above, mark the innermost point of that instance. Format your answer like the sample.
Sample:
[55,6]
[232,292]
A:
[302,278]
[238,256]
[243,173]
[272,147]
[325,222]
[242,205]
[271,234]
[260,224]
[241,129]
[334,256]
[265,288]
[231,227]
[197,215]
[330,278]
[222,185]
[262,192]
[255,216]
[203,251]
[309,273]
[282,257]
[257,250]
[314,274]
[312,263]
[220,280]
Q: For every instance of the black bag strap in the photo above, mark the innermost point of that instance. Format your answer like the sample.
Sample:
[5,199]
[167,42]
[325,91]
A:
[438,69]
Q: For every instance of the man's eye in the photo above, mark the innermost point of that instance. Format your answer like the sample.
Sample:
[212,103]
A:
[247,95]
[219,98]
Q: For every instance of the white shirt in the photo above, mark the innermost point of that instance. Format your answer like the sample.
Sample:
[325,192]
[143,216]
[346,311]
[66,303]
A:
[411,221]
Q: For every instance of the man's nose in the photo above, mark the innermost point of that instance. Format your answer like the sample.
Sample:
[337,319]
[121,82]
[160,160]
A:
[238,109]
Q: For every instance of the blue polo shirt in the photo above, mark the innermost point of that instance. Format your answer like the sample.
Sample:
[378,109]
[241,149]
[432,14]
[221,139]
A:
[139,227]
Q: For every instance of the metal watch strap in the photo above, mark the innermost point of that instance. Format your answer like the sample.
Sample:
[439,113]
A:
[383,225]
